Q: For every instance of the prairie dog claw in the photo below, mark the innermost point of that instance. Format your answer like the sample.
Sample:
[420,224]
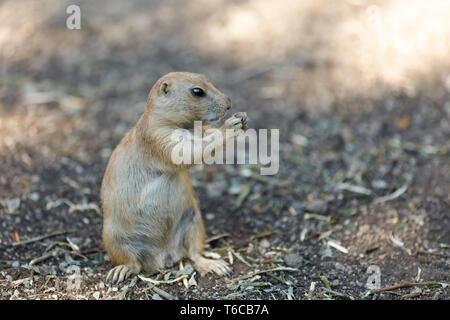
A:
[119,273]
[237,121]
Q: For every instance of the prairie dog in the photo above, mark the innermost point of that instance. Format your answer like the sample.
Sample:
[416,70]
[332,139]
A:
[151,218]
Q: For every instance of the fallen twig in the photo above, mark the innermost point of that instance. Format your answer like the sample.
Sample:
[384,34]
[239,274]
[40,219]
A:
[233,295]
[126,289]
[354,189]
[270,274]
[316,216]
[264,271]
[164,294]
[50,254]
[246,190]
[396,241]
[312,288]
[39,238]
[413,294]
[230,257]
[20,281]
[185,281]
[219,236]
[438,254]
[392,196]
[404,285]
[262,235]
[157,282]
[240,257]
[339,294]
[325,282]
[271,181]
[337,246]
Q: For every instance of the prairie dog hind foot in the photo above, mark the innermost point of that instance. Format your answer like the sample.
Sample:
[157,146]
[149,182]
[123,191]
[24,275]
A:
[120,273]
[204,266]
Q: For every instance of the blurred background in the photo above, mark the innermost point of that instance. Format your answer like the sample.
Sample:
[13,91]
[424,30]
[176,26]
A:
[360,91]
[269,56]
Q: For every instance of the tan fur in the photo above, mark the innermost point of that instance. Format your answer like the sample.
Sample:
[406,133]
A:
[151,215]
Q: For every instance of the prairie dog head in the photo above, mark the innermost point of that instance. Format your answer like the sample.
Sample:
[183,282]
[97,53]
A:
[183,97]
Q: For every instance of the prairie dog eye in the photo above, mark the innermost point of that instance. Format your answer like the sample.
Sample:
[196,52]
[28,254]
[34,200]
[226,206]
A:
[198,92]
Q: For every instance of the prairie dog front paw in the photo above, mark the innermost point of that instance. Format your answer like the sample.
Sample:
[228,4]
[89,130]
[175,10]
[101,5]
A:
[237,121]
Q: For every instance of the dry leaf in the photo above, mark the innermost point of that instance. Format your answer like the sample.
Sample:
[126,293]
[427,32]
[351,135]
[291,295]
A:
[15,236]
[403,122]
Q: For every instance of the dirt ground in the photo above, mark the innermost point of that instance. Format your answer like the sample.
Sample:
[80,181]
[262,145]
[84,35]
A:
[360,94]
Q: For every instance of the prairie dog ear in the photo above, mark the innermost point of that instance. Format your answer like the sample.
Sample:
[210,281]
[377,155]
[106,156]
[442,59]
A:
[164,88]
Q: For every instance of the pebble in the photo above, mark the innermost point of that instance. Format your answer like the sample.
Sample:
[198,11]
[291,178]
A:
[234,189]
[11,205]
[210,216]
[293,260]
[188,269]
[192,281]
[335,283]
[264,243]
[216,188]
[318,206]
[379,184]
[34,196]
[339,266]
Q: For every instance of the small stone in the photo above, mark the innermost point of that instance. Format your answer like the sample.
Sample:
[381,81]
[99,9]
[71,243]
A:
[192,281]
[235,189]
[335,283]
[188,269]
[72,105]
[34,196]
[339,266]
[326,253]
[11,205]
[293,260]
[245,172]
[379,184]
[217,188]
[318,206]
[96,295]
[264,243]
